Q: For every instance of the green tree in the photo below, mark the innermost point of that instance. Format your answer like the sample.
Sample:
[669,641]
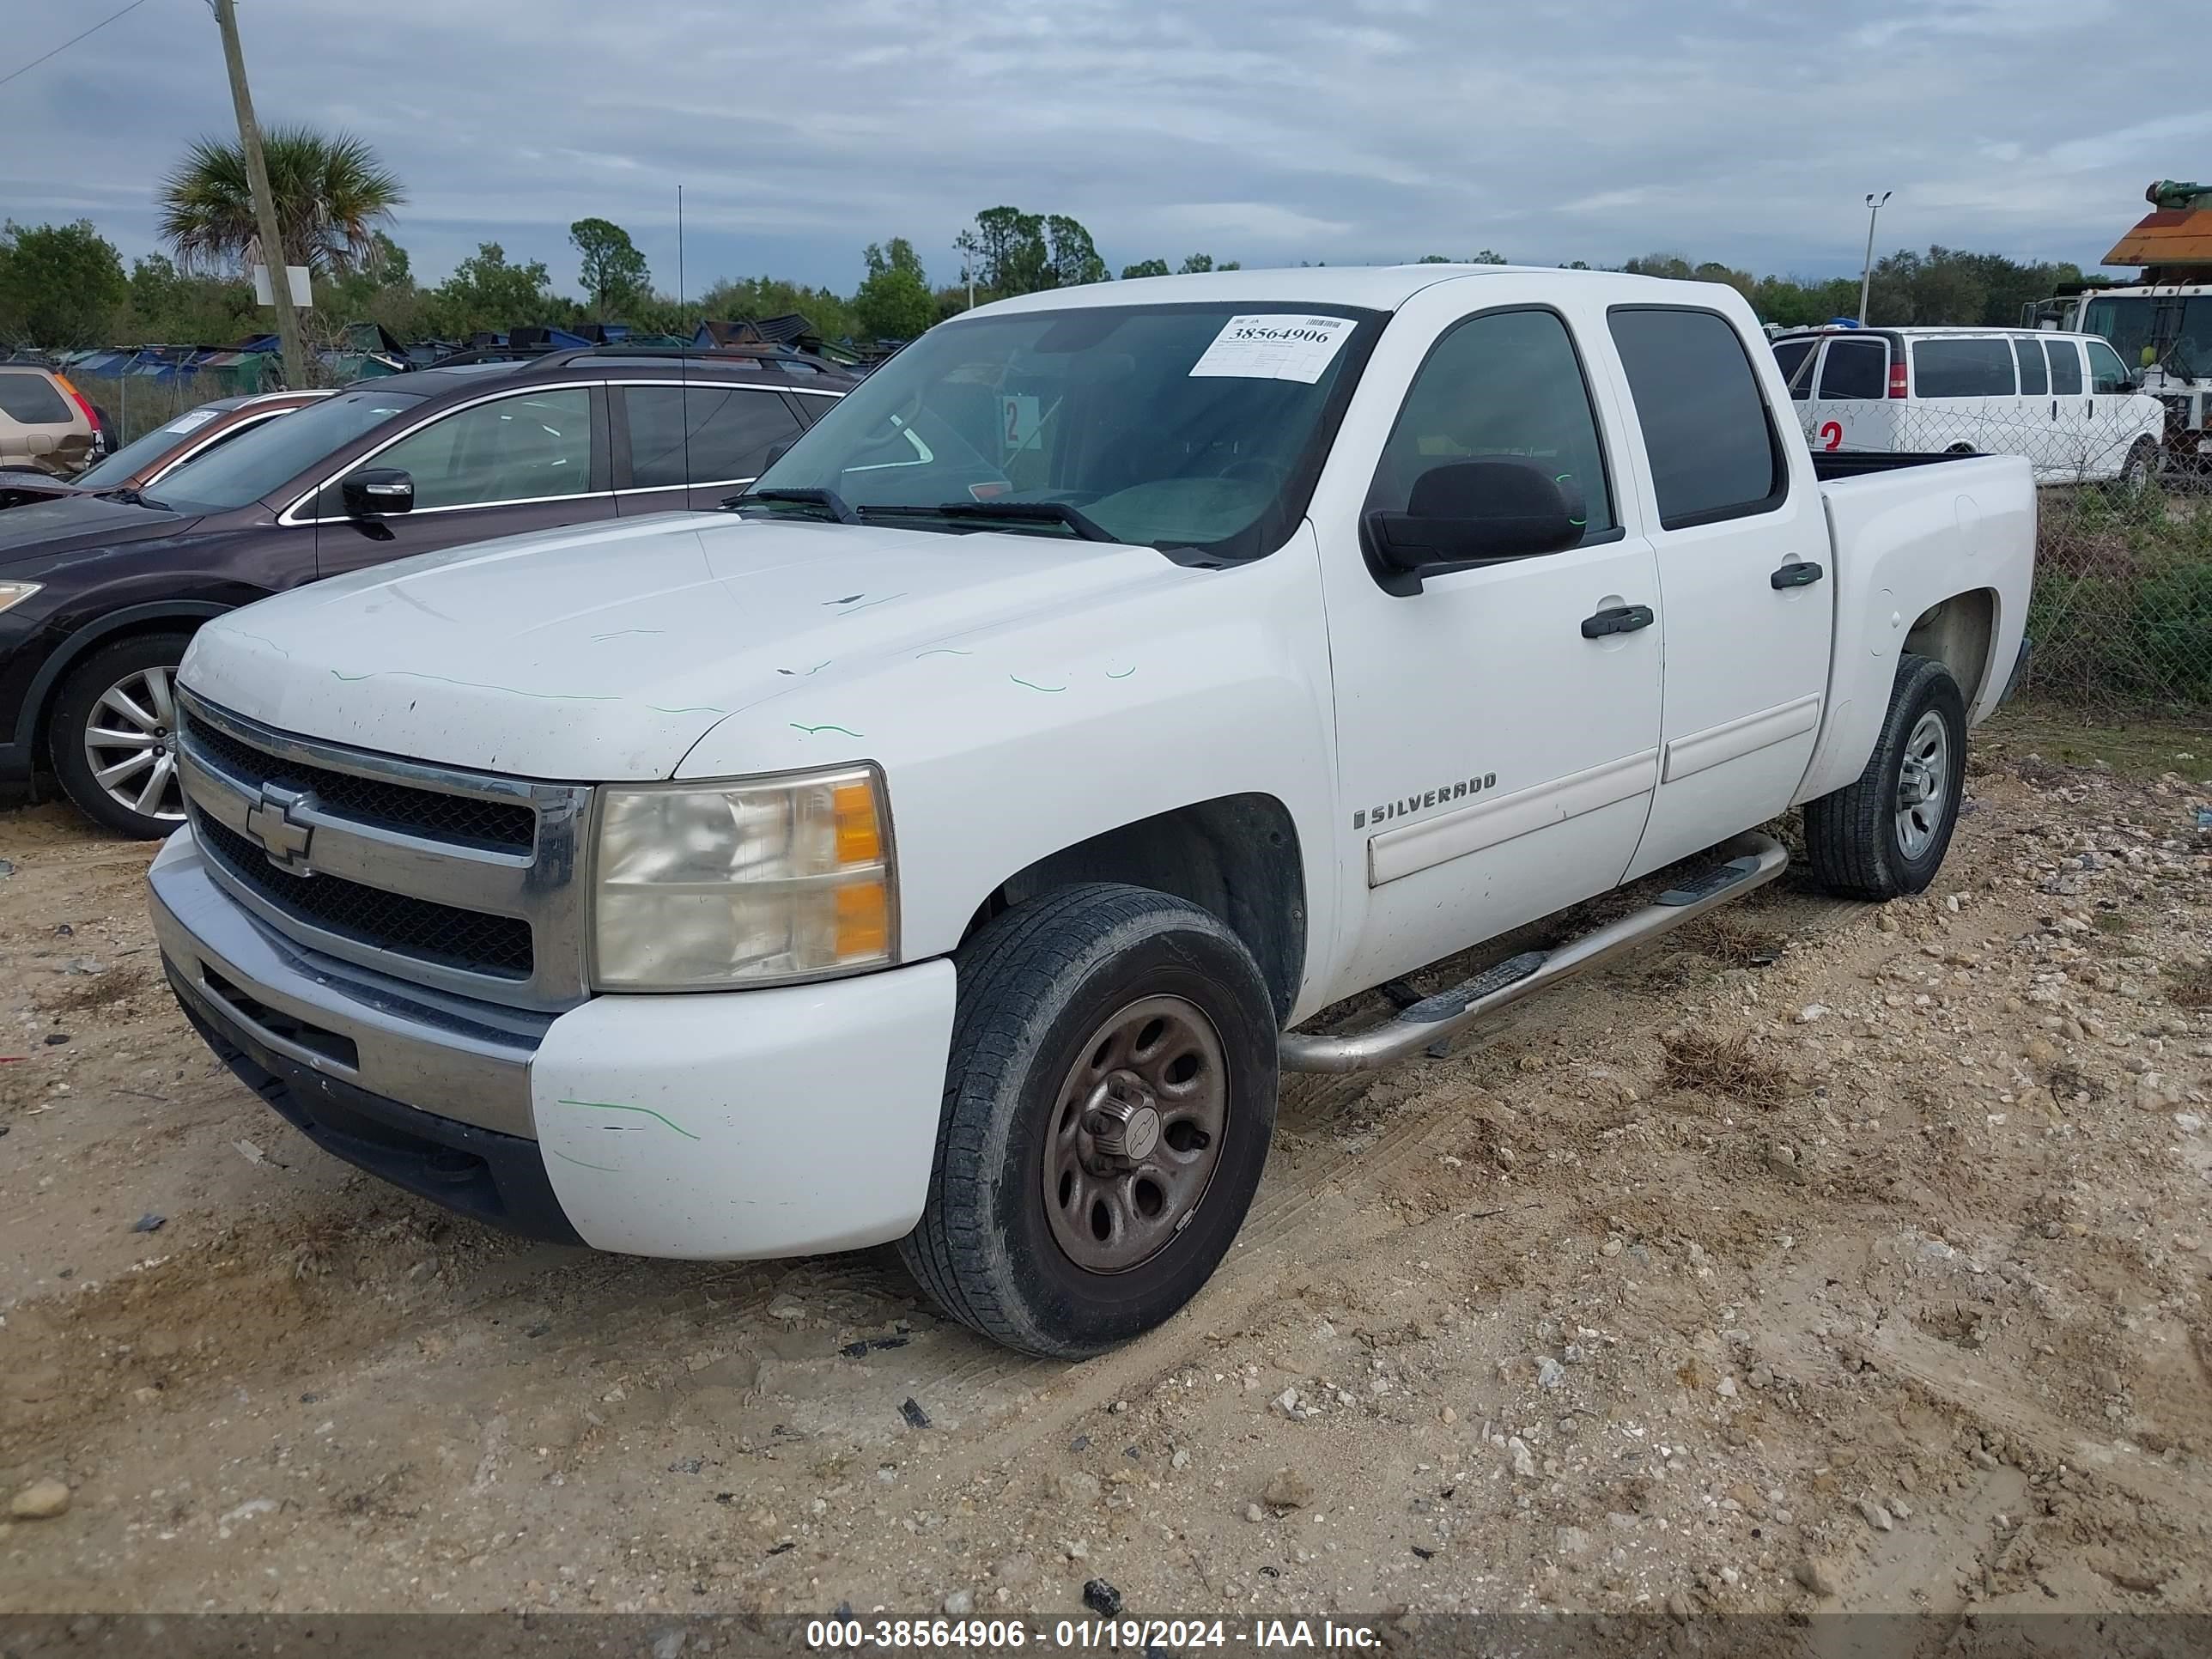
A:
[1071,260]
[895,302]
[1197,265]
[332,195]
[897,254]
[168,307]
[486,292]
[1433,259]
[615,272]
[1145,267]
[59,284]
[1009,251]
[1490,257]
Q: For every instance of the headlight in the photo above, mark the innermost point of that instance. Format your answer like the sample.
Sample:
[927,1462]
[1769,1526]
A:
[703,886]
[15,593]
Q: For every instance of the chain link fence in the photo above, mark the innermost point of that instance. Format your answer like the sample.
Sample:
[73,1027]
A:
[2121,618]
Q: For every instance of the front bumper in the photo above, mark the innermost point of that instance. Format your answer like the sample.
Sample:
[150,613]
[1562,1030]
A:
[730,1125]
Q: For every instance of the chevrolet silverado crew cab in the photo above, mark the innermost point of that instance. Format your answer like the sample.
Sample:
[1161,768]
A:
[946,841]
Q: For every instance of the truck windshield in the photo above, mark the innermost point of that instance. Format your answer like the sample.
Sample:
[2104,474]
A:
[269,457]
[1184,426]
[2129,325]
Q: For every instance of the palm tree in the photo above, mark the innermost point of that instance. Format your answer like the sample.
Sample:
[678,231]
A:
[332,197]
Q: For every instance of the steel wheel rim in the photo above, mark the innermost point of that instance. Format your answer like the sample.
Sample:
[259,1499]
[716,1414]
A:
[1136,1134]
[1924,784]
[130,745]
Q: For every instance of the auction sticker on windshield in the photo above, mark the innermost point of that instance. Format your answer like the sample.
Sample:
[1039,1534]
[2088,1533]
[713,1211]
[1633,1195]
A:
[1273,347]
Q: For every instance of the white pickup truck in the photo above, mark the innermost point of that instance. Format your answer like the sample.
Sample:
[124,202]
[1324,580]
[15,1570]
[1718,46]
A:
[945,842]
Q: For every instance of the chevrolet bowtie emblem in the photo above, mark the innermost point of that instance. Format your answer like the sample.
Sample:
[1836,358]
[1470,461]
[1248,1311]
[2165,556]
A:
[278,822]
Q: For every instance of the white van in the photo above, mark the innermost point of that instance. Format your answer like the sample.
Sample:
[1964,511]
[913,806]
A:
[2064,401]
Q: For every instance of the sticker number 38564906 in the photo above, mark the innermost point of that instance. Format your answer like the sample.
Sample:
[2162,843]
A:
[1276,346]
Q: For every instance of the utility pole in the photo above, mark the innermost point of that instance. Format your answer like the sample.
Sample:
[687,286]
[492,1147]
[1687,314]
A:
[1866,278]
[264,203]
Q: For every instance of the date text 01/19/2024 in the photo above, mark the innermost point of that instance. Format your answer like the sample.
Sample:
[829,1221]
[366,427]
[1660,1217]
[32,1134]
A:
[1112,1635]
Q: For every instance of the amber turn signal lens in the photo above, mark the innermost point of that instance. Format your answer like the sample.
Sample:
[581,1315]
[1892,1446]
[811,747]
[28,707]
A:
[859,838]
[864,922]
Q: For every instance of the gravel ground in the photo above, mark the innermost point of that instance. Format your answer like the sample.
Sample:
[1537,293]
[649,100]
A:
[1826,1257]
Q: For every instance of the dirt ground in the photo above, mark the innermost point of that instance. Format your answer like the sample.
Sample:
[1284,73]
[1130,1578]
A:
[1826,1256]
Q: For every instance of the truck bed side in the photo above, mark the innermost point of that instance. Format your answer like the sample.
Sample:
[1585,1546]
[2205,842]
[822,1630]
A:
[1936,559]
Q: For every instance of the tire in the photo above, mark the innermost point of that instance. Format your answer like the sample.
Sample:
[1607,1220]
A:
[1009,1242]
[2139,470]
[109,691]
[1861,841]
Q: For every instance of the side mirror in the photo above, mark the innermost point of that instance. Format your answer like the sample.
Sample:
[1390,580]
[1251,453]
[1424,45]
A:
[378,492]
[1471,514]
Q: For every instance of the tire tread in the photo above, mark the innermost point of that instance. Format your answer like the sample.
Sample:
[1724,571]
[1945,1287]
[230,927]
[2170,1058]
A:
[1847,832]
[1008,976]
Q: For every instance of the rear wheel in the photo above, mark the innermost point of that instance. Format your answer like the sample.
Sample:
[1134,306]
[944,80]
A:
[1886,835]
[1107,1115]
[113,737]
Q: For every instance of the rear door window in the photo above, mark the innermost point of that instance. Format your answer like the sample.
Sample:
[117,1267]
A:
[2034,381]
[707,433]
[32,400]
[1856,369]
[1963,368]
[1712,448]
[1790,356]
[2065,367]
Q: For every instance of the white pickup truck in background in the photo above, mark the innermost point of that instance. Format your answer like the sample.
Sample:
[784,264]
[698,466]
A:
[945,842]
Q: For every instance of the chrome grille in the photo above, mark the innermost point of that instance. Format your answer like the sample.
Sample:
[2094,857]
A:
[394,806]
[440,933]
[458,880]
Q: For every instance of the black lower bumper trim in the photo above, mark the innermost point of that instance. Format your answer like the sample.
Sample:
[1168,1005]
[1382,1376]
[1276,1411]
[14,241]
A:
[496,1178]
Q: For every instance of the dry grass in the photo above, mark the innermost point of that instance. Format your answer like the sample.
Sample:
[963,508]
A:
[2189,984]
[1725,1066]
[1728,938]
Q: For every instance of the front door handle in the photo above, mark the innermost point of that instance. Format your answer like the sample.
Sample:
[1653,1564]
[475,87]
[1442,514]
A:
[1617,619]
[1796,573]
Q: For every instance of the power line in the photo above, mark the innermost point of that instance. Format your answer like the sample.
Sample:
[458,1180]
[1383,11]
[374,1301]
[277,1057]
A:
[72,41]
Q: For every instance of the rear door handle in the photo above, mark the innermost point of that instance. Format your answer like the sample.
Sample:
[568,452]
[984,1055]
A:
[1617,619]
[1796,574]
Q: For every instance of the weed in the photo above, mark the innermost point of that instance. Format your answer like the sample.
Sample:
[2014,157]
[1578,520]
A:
[1725,1066]
[2189,984]
[1730,941]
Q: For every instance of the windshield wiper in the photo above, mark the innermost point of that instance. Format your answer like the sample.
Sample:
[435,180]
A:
[827,500]
[1086,528]
[131,497]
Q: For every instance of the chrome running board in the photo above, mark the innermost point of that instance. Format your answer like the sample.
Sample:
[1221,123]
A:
[1434,1021]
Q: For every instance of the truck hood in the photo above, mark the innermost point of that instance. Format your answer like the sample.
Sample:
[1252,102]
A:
[603,653]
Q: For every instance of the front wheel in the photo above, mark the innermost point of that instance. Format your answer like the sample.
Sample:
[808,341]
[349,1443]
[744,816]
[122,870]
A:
[113,739]
[1107,1115]
[1886,835]
[2141,470]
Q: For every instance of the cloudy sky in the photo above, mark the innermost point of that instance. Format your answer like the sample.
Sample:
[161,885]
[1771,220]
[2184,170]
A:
[1268,131]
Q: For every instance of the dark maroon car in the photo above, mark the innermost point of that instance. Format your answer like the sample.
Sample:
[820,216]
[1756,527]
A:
[99,593]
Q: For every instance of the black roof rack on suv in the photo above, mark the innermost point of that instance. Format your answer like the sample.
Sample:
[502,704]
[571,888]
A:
[765,355]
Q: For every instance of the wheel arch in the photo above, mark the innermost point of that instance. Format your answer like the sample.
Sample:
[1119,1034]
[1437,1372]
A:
[157,617]
[1958,632]
[1236,857]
